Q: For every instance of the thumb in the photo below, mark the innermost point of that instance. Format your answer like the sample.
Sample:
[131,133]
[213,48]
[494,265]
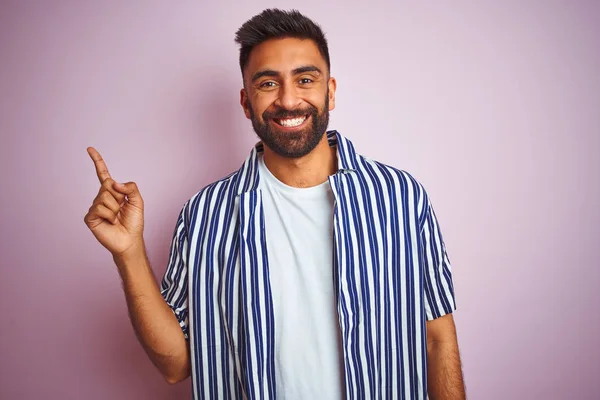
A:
[132,192]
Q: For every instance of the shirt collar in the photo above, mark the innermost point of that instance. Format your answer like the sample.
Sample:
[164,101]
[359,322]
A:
[248,176]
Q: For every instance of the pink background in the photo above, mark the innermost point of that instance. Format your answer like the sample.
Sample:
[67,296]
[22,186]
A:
[495,108]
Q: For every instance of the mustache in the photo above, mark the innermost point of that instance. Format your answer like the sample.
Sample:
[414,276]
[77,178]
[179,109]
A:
[280,113]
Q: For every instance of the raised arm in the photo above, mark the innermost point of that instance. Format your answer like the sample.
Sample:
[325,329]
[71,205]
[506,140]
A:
[116,218]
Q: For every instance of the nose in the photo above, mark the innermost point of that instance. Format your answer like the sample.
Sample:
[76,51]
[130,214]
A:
[288,96]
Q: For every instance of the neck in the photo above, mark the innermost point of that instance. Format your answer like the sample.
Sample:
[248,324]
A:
[310,170]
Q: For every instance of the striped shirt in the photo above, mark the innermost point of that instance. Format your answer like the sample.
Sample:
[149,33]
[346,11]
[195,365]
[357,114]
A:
[390,267]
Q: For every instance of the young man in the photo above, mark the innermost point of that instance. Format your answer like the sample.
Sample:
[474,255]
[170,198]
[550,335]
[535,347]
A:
[310,273]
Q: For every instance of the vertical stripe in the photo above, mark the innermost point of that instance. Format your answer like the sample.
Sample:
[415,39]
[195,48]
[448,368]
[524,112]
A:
[195,329]
[218,383]
[201,339]
[227,262]
[366,266]
[378,210]
[410,230]
[398,285]
[250,351]
[344,306]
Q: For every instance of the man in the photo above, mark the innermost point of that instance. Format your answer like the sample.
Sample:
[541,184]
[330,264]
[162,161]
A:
[310,273]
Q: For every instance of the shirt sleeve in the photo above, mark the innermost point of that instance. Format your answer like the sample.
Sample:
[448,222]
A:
[439,289]
[174,286]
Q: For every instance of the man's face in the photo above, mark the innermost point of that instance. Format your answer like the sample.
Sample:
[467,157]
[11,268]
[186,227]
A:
[288,95]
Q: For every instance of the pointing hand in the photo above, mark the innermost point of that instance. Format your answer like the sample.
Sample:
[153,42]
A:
[116,217]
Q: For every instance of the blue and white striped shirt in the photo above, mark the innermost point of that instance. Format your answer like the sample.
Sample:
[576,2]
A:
[391,274]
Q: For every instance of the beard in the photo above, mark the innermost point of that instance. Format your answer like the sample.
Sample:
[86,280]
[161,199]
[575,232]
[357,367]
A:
[294,144]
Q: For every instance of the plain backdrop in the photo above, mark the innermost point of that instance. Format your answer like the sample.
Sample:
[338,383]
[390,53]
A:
[494,106]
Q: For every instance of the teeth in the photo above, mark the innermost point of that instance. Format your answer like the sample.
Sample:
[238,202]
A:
[292,122]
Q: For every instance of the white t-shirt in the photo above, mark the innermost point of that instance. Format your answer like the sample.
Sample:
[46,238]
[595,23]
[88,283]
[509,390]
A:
[299,231]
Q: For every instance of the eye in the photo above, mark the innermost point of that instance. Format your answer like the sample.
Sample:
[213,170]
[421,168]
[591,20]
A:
[268,84]
[305,81]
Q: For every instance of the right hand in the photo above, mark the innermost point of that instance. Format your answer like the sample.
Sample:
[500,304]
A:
[116,217]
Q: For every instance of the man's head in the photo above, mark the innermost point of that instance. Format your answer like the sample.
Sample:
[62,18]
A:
[288,91]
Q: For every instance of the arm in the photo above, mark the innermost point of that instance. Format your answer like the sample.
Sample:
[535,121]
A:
[444,374]
[116,218]
[154,323]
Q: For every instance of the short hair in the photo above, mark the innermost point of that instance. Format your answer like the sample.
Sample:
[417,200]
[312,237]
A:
[274,23]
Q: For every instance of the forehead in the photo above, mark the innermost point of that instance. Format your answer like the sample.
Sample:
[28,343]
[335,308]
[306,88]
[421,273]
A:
[284,55]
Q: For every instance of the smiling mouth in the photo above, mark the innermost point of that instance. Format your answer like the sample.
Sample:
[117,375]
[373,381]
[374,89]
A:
[290,122]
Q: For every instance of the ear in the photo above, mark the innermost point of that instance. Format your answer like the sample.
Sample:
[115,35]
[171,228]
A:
[332,84]
[244,103]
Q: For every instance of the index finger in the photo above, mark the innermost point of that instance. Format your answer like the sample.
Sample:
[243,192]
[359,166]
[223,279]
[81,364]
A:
[101,169]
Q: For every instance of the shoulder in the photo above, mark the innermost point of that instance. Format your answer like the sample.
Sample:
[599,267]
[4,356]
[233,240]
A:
[224,189]
[387,175]
[211,198]
[401,187]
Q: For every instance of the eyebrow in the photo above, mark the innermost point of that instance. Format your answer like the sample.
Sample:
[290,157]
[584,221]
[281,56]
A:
[273,73]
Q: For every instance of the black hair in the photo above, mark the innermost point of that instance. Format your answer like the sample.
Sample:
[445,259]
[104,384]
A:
[273,23]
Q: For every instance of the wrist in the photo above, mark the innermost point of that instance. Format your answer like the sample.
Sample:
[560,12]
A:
[134,254]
